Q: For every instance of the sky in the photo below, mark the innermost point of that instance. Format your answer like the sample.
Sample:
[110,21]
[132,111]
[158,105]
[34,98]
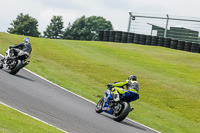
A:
[116,11]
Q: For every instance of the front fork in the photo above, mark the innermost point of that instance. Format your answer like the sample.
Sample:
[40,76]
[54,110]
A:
[107,101]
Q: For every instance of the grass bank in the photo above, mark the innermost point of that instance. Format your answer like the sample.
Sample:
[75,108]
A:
[169,79]
[12,121]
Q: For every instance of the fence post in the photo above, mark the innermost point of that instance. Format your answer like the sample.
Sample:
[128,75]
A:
[129,22]
[166,26]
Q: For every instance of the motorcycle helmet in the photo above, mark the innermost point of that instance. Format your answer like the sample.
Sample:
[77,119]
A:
[132,77]
[26,40]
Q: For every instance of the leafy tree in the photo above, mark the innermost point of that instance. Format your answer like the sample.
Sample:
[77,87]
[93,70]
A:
[24,25]
[67,33]
[74,31]
[86,28]
[94,24]
[54,30]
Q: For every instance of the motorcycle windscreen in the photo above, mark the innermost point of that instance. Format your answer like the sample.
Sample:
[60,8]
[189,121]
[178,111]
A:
[130,96]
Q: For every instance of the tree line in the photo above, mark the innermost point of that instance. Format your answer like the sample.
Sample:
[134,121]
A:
[83,28]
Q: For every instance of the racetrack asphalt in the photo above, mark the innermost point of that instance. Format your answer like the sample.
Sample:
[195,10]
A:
[39,98]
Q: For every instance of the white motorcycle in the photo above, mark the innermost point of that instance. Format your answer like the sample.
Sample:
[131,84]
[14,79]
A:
[12,63]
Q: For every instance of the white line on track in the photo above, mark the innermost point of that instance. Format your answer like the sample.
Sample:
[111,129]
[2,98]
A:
[75,95]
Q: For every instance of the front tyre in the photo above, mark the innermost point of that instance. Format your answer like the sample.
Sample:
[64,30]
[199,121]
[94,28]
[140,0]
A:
[125,109]
[99,106]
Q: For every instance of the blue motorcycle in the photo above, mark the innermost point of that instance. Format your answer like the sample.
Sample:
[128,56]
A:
[119,110]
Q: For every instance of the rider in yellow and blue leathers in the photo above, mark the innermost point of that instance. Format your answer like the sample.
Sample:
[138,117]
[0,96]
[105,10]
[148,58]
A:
[132,87]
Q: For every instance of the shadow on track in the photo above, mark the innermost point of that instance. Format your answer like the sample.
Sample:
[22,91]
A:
[20,76]
[128,123]
[133,125]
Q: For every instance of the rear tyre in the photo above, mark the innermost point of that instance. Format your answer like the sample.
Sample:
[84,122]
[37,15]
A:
[123,113]
[17,67]
[1,65]
[99,106]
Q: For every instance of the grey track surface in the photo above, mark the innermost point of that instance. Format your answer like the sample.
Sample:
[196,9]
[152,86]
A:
[37,97]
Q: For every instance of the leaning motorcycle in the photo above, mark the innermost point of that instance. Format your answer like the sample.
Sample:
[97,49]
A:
[119,110]
[13,64]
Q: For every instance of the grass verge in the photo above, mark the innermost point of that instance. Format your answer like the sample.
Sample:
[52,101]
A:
[12,121]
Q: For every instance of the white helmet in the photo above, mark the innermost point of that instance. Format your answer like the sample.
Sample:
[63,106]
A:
[26,40]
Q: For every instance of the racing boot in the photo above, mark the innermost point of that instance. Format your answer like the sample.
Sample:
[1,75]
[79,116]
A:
[116,97]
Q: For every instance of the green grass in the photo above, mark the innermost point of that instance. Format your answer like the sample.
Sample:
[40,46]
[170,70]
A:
[12,121]
[169,79]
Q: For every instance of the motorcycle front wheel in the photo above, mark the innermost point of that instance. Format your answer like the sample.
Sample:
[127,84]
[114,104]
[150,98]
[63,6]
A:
[99,106]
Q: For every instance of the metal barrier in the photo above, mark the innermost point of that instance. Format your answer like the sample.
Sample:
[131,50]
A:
[175,27]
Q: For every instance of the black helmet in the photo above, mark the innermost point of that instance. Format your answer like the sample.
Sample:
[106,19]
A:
[132,77]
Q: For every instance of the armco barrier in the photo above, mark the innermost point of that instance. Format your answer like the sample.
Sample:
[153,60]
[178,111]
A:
[127,37]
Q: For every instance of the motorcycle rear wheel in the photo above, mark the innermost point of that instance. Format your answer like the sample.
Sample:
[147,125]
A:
[1,65]
[17,67]
[123,113]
